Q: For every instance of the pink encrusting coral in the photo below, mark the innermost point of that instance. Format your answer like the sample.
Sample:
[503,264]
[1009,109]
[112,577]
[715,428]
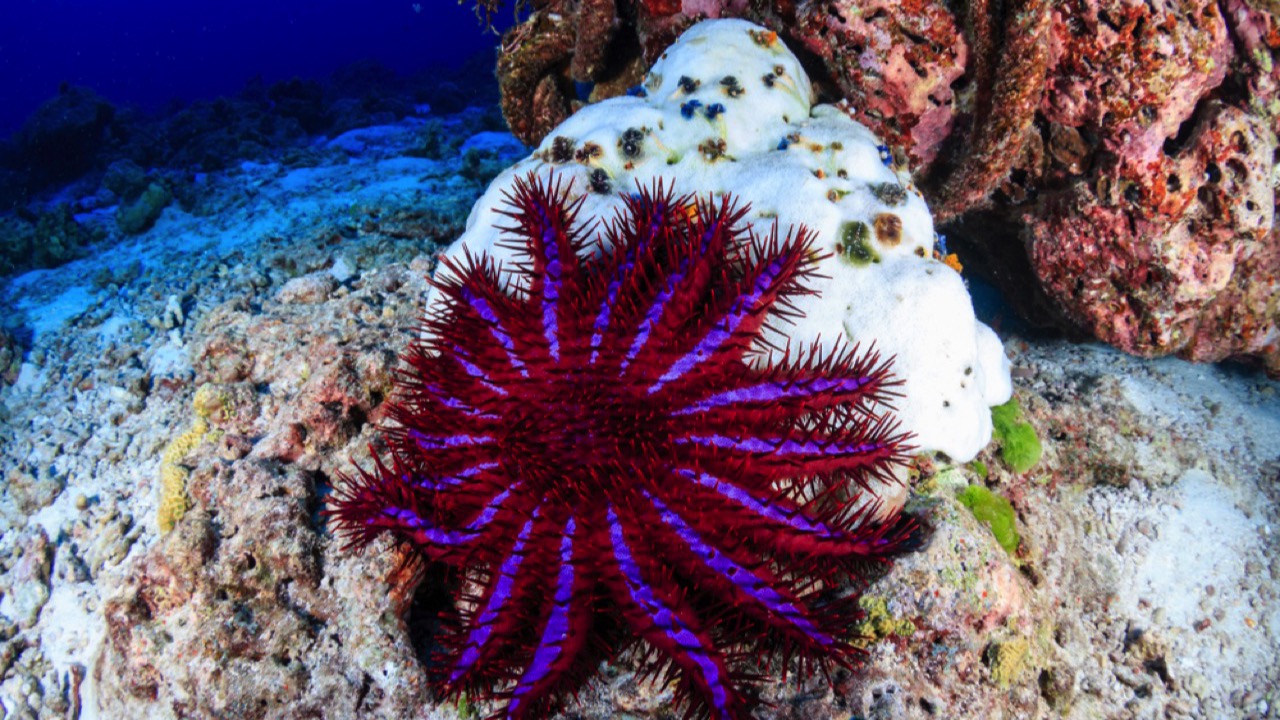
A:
[1256,27]
[1133,73]
[1169,244]
[1154,262]
[894,62]
[589,446]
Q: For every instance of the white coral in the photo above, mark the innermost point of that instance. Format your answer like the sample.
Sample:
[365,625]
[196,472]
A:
[727,109]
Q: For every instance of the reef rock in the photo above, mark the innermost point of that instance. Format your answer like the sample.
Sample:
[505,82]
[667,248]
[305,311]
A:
[1181,259]
[61,139]
[236,611]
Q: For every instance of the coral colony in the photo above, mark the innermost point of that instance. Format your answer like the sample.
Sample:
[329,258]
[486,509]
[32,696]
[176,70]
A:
[586,441]
[706,118]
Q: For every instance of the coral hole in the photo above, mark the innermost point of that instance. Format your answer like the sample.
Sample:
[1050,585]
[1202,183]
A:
[433,596]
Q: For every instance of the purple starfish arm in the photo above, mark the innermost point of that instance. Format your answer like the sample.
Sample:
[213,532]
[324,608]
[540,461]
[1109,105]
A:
[666,621]
[746,581]
[556,631]
[483,628]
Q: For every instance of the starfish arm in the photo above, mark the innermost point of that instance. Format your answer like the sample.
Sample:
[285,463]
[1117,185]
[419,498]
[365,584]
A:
[478,319]
[811,382]
[496,621]
[672,629]
[432,461]
[726,339]
[486,311]
[668,272]
[403,517]
[650,218]
[768,520]
[431,382]
[433,442]
[436,401]
[481,370]
[618,269]
[806,534]
[803,455]
[563,639]
[652,317]
[546,231]
[693,260]
[452,480]
[750,587]
[408,524]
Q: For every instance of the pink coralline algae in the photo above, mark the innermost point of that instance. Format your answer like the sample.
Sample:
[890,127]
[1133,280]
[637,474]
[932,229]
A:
[895,64]
[1106,161]
[601,466]
[1149,215]
[1178,253]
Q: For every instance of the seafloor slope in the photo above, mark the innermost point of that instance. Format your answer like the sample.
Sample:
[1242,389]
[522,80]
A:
[243,354]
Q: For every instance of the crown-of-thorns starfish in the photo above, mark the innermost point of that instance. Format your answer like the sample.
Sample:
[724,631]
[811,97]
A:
[589,439]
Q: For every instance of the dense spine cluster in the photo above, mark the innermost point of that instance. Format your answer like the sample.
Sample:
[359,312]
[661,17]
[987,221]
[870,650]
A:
[587,439]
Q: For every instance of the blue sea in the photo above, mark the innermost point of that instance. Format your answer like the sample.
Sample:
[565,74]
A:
[154,56]
[103,101]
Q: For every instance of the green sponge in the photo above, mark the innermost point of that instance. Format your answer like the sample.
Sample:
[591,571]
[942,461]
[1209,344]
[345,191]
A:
[996,512]
[1019,447]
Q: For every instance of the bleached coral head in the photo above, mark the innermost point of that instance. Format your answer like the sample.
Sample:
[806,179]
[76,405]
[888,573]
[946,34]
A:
[727,110]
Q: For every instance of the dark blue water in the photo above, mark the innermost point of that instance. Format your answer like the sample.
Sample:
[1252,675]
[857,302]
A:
[148,53]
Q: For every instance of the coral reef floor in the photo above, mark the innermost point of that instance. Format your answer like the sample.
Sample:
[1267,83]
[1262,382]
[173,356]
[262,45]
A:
[254,343]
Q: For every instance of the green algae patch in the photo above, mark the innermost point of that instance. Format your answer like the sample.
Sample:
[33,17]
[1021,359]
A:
[996,512]
[979,469]
[855,244]
[878,623]
[466,710]
[1019,446]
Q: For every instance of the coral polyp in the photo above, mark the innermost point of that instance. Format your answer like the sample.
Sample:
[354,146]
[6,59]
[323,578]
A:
[589,437]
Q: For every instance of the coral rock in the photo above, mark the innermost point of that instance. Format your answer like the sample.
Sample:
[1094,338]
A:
[895,64]
[308,289]
[29,590]
[1184,259]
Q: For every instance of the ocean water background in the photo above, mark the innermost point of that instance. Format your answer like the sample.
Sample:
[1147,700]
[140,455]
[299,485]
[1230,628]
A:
[149,54]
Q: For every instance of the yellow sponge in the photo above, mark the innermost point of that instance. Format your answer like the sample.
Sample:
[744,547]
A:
[173,476]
